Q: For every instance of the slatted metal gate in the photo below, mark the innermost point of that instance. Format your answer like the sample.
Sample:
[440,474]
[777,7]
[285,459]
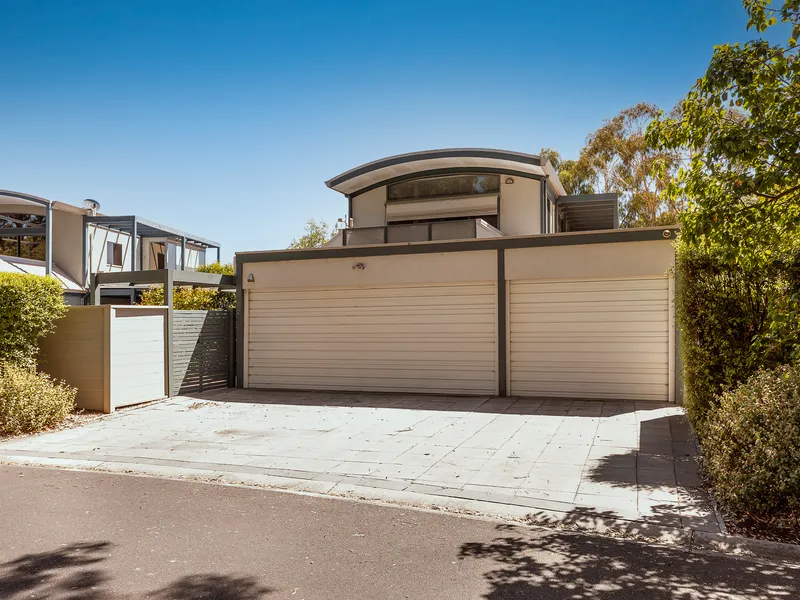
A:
[203,350]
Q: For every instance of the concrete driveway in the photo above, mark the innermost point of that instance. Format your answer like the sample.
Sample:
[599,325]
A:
[547,459]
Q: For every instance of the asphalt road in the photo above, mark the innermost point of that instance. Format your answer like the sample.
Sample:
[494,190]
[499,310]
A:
[91,536]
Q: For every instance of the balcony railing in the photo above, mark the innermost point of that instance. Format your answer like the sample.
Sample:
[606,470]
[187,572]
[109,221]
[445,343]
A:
[419,232]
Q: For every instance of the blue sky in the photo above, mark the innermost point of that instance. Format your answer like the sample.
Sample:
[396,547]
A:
[225,118]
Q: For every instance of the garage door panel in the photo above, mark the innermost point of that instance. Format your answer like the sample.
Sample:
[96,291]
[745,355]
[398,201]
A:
[591,338]
[600,316]
[409,338]
[481,329]
[364,384]
[596,285]
[614,391]
[398,347]
[589,305]
[387,319]
[590,347]
[534,372]
[268,355]
[566,330]
[337,370]
[611,296]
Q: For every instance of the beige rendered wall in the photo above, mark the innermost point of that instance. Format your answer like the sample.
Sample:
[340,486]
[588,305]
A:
[77,352]
[377,270]
[68,244]
[137,355]
[369,208]
[520,210]
[591,261]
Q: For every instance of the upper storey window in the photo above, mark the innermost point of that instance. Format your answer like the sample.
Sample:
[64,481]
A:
[456,185]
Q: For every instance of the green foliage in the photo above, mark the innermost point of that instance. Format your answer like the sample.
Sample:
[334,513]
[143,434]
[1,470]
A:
[194,298]
[316,235]
[577,176]
[619,159]
[189,298]
[218,268]
[29,307]
[751,445]
[741,121]
[31,401]
[733,321]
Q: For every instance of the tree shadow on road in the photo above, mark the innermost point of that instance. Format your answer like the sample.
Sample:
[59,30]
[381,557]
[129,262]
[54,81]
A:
[72,573]
[549,565]
[213,587]
[68,572]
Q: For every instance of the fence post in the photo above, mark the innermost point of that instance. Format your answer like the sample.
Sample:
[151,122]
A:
[231,347]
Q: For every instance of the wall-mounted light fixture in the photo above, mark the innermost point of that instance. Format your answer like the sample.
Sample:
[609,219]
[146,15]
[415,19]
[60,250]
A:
[666,233]
[509,180]
[251,278]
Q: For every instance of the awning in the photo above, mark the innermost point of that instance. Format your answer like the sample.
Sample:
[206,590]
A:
[590,212]
[433,162]
[149,229]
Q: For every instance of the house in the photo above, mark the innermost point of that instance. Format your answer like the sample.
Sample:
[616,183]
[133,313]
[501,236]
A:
[464,271]
[73,243]
[463,194]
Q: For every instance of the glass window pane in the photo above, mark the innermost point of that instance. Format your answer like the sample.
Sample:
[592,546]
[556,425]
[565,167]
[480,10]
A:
[456,185]
[8,246]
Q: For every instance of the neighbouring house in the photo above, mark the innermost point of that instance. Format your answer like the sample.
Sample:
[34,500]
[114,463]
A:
[465,271]
[73,243]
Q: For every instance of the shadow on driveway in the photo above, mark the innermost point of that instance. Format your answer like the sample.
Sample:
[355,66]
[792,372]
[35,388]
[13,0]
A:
[560,407]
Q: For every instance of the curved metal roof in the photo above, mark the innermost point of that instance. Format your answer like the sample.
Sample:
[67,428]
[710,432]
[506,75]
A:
[445,160]
[11,197]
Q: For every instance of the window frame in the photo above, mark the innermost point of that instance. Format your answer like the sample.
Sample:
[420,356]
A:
[492,176]
[112,249]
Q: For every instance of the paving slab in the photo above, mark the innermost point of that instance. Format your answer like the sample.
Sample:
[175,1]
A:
[631,460]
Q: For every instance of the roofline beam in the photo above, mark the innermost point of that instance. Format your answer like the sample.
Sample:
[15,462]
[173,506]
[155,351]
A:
[22,231]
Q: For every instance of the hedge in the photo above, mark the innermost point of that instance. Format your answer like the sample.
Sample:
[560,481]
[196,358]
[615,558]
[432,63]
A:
[194,298]
[734,320]
[751,445]
[29,307]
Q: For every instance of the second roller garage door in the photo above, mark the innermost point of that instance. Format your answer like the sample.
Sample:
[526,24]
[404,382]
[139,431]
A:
[411,338]
[590,339]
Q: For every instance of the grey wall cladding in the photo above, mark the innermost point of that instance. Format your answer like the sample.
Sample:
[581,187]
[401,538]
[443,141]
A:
[202,342]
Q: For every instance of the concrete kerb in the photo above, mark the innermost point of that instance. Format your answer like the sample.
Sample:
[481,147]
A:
[575,519]
[742,546]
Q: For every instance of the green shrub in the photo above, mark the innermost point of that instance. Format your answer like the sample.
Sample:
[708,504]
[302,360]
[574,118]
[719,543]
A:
[194,298]
[751,444]
[733,320]
[29,306]
[31,401]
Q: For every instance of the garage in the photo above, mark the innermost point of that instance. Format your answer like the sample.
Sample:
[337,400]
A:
[419,336]
[606,338]
[576,315]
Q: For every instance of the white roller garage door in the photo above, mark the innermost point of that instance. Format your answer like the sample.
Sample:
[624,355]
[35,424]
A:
[594,339]
[411,338]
